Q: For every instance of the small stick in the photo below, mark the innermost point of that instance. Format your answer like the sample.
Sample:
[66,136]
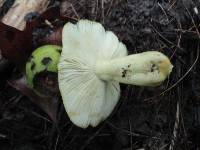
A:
[20,8]
[176,126]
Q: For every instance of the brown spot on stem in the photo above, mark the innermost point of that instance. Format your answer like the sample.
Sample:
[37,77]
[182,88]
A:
[124,72]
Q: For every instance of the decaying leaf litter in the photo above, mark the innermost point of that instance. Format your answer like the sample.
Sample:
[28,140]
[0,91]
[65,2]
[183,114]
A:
[166,117]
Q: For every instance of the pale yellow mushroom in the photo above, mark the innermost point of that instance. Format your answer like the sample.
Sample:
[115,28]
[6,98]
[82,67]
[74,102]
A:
[93,62]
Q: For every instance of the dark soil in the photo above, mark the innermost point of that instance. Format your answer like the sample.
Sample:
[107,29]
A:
[165,117]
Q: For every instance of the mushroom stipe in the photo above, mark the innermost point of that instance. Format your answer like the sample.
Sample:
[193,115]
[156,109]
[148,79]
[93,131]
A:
[92,64]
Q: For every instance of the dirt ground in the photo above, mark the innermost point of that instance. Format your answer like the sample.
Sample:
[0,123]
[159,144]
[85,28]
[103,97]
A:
[160,118]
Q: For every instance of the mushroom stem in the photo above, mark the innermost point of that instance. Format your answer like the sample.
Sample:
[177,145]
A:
[144,69]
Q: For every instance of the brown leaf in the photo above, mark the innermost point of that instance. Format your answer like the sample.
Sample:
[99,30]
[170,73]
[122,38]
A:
[54,38]
[47,104]
[22,10]
[1,3]
[17,45]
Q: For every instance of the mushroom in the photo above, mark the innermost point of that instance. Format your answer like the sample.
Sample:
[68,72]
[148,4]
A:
[92,64]
[41,69]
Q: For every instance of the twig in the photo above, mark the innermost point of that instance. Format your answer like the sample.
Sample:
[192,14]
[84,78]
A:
[110,6]
[17,13]
[56,144]
[91,138]
[171,6]
[75,12]
[128,132]
[176,126]
[131,137]
[193,22]
[175,84]
[161,35]
[163,11]
[179,40]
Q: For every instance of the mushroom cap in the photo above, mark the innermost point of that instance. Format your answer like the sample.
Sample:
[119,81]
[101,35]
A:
[87,99]
[44,58]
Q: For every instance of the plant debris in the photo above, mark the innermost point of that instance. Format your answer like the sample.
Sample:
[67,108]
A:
[17,45]
[48,104]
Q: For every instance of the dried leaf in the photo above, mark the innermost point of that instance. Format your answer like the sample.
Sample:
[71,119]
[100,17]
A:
[20,10]
[1,3]
[54,38]
[47,104]
[17,45]
[69,9]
